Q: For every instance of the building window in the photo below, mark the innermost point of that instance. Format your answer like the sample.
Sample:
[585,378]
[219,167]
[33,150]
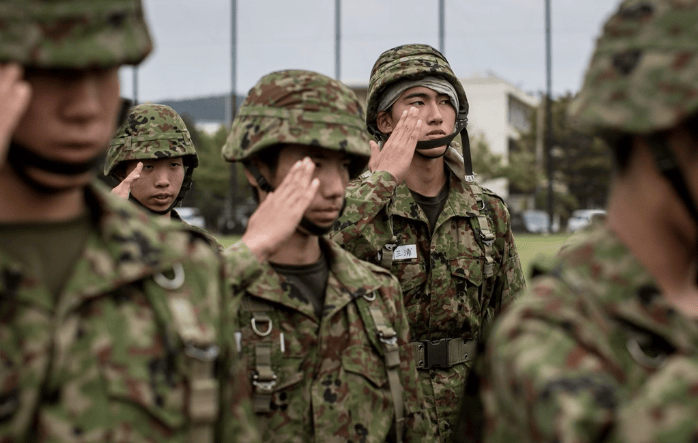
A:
[519,115]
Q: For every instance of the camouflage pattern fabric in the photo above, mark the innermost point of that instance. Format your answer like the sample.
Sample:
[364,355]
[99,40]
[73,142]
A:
[299,107]
[104,361]
[73,34]
[442,285]
[593,353]
[643,76]
[151,132]
[332,383]
[409,62]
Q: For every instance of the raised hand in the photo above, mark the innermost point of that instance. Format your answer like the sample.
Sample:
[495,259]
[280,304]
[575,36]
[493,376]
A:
[396,155]
[280,213]
[15,94]
[123,190]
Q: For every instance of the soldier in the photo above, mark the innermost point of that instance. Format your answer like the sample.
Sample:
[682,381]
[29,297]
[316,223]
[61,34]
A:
[153,158]
[324,335]
[110,320]
[605,345]
[419,213]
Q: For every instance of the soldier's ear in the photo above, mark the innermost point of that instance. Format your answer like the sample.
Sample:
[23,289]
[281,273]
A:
[384,122]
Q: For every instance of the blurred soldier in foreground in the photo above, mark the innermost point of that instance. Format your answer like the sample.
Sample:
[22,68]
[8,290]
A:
[109,319]
[153,158]
[324,335]
[605,347]
[419,214]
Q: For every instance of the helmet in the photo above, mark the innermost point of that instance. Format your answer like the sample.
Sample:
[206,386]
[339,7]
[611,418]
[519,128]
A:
[643,76]
[153,132]
[300,107]
[74,34]
[409,62]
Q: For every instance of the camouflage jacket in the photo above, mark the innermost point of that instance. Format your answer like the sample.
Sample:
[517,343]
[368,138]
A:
[126,351]
[327,380]
[593,353]
[442,285]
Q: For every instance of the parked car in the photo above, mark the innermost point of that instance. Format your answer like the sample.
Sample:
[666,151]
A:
[532,221]
[583,217]
[192,216]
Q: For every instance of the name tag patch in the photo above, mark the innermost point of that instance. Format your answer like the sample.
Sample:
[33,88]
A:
[405,252]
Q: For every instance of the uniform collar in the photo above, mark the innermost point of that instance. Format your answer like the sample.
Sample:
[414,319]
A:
[348,278]
[122,248]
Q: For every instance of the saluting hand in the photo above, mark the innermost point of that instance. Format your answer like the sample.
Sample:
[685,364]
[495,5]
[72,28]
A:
[396,155]
[123,190]
[280,213]
[15,94]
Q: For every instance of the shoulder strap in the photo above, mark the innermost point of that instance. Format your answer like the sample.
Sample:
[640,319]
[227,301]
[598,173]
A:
[374,319]
[201,352]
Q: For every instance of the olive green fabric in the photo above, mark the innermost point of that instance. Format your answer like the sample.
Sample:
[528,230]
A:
[49,249]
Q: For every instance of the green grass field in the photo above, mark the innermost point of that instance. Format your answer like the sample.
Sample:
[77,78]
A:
[529,246]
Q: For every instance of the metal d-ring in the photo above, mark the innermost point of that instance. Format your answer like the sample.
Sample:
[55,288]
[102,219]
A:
[256,331]
[371,297]
[173,283]
[643,359]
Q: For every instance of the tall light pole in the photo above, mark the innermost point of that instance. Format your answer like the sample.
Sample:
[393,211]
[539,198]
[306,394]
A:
[337,37]
[135,85]
[442,9]
[549,117]
[233,110]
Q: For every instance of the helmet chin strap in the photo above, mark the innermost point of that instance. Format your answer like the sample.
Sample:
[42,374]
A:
[668,166]
[21,158]
[461,128]
[306,224]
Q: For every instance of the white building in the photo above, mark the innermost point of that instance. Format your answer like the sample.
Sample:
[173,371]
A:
[499,113]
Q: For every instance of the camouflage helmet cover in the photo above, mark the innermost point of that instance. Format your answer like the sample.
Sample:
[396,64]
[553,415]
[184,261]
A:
[299,107]
[643,76]
[409,62]
[151,132]
[73,34]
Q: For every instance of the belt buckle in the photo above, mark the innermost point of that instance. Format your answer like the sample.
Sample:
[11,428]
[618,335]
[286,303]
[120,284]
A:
[436,353]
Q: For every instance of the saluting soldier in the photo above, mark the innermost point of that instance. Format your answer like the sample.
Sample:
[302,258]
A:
[419,213]
[324,336]
[110,320]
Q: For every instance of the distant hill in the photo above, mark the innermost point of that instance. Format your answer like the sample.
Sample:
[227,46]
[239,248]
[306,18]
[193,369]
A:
[215,108]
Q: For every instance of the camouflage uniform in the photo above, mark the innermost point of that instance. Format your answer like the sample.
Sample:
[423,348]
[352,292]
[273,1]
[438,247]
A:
[153,132]
[350,375]
[595,352]
[456,278]
[126,350]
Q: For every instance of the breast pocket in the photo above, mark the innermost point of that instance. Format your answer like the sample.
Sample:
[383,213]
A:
[153,384]
[412,275]
[364,363]
[467,279]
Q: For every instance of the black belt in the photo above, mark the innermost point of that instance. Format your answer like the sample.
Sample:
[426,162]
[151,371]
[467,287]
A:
[443,353]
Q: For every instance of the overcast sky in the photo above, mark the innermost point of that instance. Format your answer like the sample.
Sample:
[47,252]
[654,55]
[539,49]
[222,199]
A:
[504,37]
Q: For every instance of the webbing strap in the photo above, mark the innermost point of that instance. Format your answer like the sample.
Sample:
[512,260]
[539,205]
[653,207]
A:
[201,352]
[485,232]
[388,336]
[264,378]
